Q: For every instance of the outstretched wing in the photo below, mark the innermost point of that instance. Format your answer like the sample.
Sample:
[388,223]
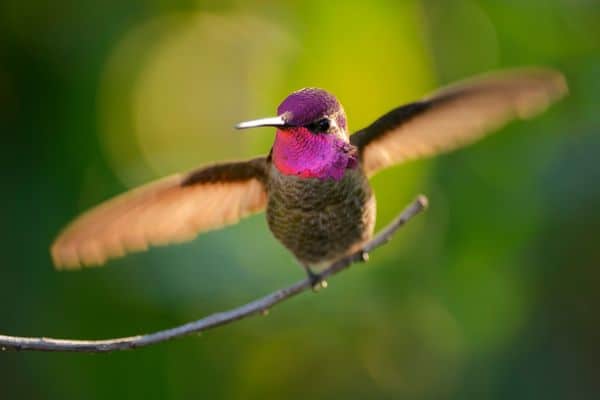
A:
[173,209]
[456,115]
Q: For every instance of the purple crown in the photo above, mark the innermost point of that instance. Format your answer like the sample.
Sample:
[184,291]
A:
[307,105]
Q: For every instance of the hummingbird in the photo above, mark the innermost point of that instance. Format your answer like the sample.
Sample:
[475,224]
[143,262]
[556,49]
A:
[314,182]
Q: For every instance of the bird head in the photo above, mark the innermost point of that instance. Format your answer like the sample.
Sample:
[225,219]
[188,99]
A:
[308,110]
[311,139]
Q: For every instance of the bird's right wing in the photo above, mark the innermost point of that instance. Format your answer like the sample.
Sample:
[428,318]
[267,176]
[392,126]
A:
[456,115]
[173,209]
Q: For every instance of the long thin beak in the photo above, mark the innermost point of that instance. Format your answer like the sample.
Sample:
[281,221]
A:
[272,121]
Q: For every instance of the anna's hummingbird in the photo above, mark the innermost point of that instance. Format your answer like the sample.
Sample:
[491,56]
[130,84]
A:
[314,182]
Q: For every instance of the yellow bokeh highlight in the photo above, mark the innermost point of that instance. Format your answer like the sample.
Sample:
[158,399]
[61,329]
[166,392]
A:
[199,74]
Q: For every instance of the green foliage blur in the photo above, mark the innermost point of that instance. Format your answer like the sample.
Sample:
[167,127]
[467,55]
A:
[492,294]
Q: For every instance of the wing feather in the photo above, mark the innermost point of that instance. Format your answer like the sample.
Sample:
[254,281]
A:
[170,210]
[456,116]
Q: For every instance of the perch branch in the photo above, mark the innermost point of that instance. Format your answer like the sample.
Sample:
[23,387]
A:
[259,306]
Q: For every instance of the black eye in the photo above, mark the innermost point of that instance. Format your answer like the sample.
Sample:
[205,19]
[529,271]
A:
[319,126]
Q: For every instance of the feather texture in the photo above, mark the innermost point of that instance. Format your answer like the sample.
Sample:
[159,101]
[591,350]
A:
[170,210]
[456,115]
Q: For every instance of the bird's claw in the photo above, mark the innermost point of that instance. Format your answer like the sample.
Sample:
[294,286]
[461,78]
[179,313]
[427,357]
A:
[364,256]
[316,280]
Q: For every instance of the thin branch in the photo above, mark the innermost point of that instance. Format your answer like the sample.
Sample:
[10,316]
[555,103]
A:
[259,306]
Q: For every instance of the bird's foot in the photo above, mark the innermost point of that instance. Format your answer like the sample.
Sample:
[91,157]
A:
[364,256]
[316,280]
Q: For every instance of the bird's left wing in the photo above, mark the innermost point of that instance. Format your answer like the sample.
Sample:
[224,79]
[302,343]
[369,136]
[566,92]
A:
[173,209]
[456,115]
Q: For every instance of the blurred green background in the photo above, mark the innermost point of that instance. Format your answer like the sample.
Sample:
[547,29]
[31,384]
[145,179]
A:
[492,294]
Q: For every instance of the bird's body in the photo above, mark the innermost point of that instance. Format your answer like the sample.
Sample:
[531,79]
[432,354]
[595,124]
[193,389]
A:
[320,220]
[320,204]
[314,182]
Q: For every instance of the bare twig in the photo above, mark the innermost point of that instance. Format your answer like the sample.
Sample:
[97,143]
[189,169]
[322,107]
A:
[255,307]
